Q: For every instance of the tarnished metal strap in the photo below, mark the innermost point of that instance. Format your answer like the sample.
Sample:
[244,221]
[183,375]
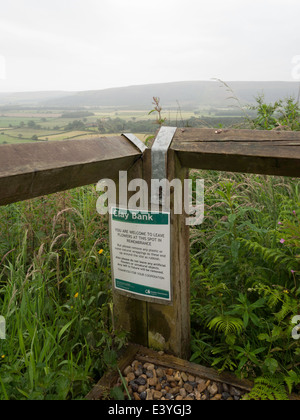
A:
[137,142]
[159,158]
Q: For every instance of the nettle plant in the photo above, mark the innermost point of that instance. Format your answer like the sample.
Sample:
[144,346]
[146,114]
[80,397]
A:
[282,114]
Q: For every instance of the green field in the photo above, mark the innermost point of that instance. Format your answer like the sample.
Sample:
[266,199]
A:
[24,125]
[55,274]
[4,139]
[35,125]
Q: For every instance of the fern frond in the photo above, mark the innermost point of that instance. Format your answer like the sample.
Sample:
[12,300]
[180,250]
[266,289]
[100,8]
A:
[227,325]
[268,389]
[289,306]
[274,256]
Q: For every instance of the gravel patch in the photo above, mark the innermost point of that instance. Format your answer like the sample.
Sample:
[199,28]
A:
[150,382]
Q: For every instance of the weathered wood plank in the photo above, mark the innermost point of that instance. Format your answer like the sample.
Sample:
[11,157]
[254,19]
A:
[169,361]
[169,325]
[161,325]
[35,169]
[131,314]
[248,151]
[235,135]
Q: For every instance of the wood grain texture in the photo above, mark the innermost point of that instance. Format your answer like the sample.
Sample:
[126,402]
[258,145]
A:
[169,325]
[159,324]
[35,169]
[245,151]
[130,314]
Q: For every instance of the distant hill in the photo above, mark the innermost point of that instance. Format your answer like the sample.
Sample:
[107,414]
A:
[190,95]
[31,98]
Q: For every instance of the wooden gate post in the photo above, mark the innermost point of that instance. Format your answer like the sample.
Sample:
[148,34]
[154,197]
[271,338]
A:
[169,325]
[130,314]
[162,326]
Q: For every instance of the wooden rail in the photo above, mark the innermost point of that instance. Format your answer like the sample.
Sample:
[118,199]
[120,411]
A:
[37,169]
[247,151]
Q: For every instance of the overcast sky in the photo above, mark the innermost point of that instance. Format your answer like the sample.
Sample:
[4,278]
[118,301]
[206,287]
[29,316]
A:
[97,44]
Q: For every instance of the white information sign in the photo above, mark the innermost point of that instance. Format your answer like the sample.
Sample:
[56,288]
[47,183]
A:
[140,248]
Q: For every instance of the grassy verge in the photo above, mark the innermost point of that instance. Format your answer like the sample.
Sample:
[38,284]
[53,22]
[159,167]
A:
[55,295]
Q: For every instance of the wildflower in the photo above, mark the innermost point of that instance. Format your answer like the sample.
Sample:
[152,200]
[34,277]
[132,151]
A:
[294,212]
[282,241]
[286,291]
[293,271]
[76,296]
[280,224]
[3,356]
[101,251]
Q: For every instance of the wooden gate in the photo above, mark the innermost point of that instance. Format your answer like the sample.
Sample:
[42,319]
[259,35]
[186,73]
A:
[37,169]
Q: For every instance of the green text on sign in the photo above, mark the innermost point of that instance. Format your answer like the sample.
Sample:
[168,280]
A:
[139,217]
[142,290]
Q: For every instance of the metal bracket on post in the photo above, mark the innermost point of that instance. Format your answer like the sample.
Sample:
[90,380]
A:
[159,160]
[137,142]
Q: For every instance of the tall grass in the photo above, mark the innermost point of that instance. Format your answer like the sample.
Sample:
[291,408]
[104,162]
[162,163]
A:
[55,284]
[55,296]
